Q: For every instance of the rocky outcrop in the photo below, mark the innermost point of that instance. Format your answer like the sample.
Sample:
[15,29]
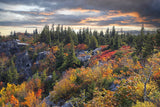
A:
[41,55]
[94,52]
[84,58]
[67,105]
[60,103]
[11,47]
[48,102]
[23,65]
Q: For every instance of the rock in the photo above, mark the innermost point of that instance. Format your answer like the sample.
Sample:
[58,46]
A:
[9,47]
[113,87]
[84,58]
[48,102]
[23,65]
[67,105]
[22,44]
[41,55]
[94,52]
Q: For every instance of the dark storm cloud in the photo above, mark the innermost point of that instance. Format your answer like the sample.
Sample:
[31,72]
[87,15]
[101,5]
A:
[146,8]
[150,9]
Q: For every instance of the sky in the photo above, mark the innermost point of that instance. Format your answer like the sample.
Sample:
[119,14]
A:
[20,15]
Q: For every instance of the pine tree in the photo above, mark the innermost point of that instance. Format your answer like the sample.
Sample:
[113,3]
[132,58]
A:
[26,32]
[70,60]
[72,57]
[113,33]
[158,38]
[148,47]
[15,74]
[45,35]
[60,56]
[87,40]
[52,32]
[9,77]
[12,74]
[43,75]
[139,43]
[54,76]
[107,35]
[93,43]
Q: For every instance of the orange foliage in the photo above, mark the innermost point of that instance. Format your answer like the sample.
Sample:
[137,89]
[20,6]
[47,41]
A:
[108,72]
[14,101]
[68,46]
[39,92]
[82,47]
[104,56]
[30,99]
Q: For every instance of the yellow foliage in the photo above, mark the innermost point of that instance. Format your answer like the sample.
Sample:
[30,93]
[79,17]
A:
[102,99]
[144,104]
[151,87]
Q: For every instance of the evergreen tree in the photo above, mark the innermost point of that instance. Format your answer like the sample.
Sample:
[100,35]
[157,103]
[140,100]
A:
[158,38]
[101,34]
[148,47]
[60,56]
[71,60]
[54,76]
[12,75]
[43,75]
[11,34]
[113,33]
[80,38]
[9,77]
[52,33]
[14,34]
[74,62]
[45,35]
[107,35]
[93,43]
[87,40]
[139,43]
[26,32]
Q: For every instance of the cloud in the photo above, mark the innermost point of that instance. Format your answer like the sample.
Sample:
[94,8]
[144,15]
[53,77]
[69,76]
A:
[115,14]
[156,20]
[46,13]
[21,7]
[44,20]
[80,12]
